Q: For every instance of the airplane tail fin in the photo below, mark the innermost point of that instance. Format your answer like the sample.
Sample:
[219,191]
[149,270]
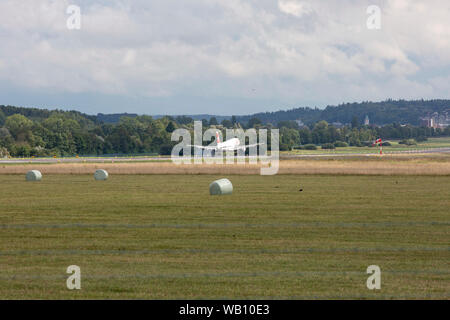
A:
[217,137]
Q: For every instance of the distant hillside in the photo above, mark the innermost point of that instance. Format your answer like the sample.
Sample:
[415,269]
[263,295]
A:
[197,117]
[380,113]
[307,115]
[115,117]
[385,112]
[36,114]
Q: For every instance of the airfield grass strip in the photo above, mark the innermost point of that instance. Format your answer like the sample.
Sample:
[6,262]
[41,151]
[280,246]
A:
[225,225]
[170,226]
[225,275]
[289,167]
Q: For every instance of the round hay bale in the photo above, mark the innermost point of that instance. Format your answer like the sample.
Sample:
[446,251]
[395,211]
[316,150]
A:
[221,187]
[34,175]
[101,175]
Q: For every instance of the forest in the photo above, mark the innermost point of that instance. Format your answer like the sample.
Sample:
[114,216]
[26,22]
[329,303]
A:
[380,113]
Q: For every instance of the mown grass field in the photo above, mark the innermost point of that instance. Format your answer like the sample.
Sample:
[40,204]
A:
[164,237]
[424,164]
[441,142]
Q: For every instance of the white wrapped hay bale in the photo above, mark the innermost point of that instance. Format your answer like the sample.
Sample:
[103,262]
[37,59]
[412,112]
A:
[221,187]
[34,175]
[101,175]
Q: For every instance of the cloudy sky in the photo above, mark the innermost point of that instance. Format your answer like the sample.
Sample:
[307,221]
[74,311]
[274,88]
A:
[220,56]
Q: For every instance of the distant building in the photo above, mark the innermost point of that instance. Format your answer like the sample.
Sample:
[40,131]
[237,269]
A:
[427,122]
[366,121]
[436,120]
[443,120]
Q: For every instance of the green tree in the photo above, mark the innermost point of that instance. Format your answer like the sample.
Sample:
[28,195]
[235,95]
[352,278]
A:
[20,127]
[355,122]
[60,132]
[170,127]
[253,122]
[288,124]
[289,137]
[227,123]
[184,120]
[2,118]
[320,132]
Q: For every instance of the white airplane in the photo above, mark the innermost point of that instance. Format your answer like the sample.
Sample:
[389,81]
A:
[230,145]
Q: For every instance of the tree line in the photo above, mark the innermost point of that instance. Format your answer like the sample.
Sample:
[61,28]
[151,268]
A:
[380,113]
[324,134]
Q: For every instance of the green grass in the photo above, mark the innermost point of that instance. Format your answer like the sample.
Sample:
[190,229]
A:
[436,142]
[164,237]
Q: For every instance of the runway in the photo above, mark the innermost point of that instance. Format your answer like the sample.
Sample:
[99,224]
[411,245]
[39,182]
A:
[82,159]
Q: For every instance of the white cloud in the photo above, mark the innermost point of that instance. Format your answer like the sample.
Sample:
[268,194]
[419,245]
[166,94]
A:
[294,7]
